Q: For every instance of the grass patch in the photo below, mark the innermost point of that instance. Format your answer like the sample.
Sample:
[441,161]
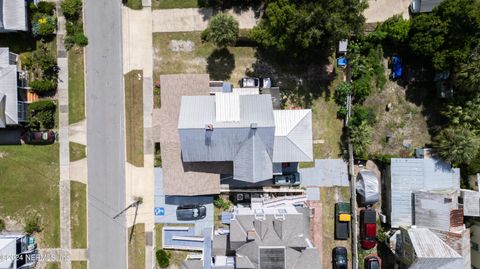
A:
[166,4]
[133,4]
[29,178]
[158,155]
[176,256]
[79,265]
[228,64]
[78,215]
[53,265]
[136,247]
[77,151]
[76,86]
[134,116]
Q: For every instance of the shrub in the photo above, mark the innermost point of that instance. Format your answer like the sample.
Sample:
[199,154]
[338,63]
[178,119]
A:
[44,26]
[362,113]
[71,9]
[46,119]
[33,123]
[2,225]
[68,42]
[44,58]
[221,203]
[73,27]
[42,105]
[361,138]
[222,30]
[32,225]
[26,59]
[341,93]
[362,88]
[43,86]
[133,4]
[46,7]
[163,258]
[80,39]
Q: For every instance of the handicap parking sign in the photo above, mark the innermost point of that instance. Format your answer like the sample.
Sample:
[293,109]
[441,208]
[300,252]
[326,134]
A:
[159,211]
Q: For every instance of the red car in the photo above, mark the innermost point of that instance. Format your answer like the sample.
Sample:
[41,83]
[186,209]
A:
[368,228]
[39,137]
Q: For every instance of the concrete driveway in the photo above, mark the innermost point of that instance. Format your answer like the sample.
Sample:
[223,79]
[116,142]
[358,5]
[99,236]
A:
[381,10]
[169,206]
[107,238]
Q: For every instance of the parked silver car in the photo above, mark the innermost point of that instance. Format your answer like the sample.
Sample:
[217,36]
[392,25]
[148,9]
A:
[251,82]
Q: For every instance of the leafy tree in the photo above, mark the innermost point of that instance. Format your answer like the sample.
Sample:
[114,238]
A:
[466,115]
[222,30]
[457,145]
[163,258]
[362,114]
[44,58]
[468,76]
[300,28]
[361,138]
[71,9]
[427,34]
[395,30]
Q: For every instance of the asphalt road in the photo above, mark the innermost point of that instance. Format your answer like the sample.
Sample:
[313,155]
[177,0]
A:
[107,238]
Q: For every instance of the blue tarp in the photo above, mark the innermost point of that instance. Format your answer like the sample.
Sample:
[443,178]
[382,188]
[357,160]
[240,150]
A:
[397,69]
[342,62]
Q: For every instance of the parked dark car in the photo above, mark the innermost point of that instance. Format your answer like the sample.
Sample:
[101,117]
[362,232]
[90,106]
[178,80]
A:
[39,137]
[368,228]
[372,262]
[342,221]
[339,258]
[191,212]
[287,180]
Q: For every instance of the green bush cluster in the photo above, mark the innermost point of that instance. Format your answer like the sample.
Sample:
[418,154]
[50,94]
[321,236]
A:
[222,203]
[2,225]
[163,258]
[32,225]
[43,86]
[41,115]
[341,92]
[44,21]
[222,30]
[74,26]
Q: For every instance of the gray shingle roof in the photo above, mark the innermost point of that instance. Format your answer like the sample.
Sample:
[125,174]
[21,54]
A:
[13,16]
[409,175]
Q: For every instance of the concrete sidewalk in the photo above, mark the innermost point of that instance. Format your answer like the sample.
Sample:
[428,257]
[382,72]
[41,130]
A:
[77,132]
[196,19]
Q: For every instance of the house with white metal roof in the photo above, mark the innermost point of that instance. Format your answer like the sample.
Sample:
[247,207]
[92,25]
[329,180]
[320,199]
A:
[13,15]
[243,129]
[11,111]
[17,251]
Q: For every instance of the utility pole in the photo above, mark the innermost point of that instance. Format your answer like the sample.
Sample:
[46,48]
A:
[135,204]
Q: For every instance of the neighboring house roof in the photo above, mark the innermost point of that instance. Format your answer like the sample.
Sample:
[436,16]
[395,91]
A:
[428,5]
[293,136]
[8,91]
[177,178]
[409,175]
[13,15]
[433,209]
[431,252]
[283,236]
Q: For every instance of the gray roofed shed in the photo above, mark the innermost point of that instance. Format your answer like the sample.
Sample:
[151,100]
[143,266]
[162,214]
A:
[410,175]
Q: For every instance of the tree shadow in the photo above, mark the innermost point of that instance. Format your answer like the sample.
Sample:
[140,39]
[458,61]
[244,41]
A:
[220,64]
[300,82]
[238,6]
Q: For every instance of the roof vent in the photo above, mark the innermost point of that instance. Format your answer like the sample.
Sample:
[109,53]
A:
[253,125]
[209,127]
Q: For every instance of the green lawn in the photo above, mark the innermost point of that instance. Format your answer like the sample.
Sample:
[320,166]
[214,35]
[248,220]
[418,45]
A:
[136,247]
[79,265]
[134,116]
[133,4]
[78,214]
[76,86]
[77,151]
[29,178]
[165,4]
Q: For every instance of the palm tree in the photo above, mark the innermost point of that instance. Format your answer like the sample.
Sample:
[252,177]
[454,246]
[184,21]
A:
[361,138]
[468,76]
[457,145]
